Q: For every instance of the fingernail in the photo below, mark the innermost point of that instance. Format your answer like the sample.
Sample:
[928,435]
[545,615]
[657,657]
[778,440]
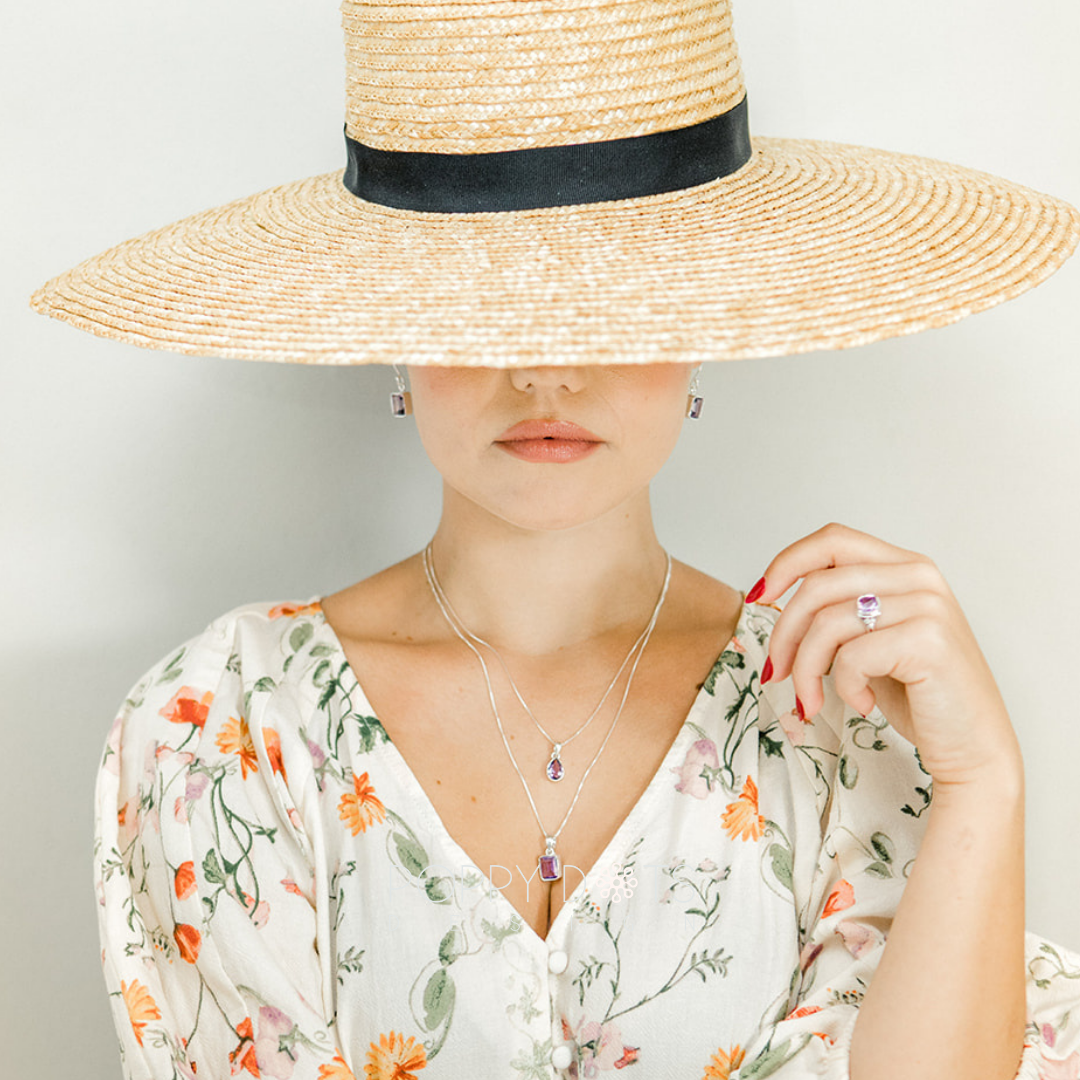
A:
[800,712]
[756,591]
[766,671]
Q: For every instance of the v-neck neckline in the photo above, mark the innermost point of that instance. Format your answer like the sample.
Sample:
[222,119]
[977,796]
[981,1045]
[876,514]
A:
[627,829]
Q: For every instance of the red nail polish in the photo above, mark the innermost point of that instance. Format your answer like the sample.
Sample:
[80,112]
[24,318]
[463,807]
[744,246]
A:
[800,712]
[755,592]
[766,671]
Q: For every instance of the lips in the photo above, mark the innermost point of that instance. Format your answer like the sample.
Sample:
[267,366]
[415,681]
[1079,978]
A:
[550,441]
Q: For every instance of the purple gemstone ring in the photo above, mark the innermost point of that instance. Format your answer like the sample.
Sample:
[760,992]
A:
[868,608]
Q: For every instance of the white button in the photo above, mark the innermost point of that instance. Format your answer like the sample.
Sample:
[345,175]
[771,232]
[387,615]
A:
[557,961]
[561,1057]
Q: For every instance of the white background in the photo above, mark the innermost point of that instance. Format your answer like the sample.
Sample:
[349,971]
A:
[143,493]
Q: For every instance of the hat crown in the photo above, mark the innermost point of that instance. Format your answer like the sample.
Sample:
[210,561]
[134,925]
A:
[493,75]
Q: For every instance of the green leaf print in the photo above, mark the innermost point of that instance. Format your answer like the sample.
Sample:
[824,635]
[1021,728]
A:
[534,1066]
[879,870]
[769,1060]
[728,660]
[440,890]
[772,747]
[849,772]
[172,670]
[451,946]
[498,934]
[212,868]
[883,847]
[371,733]
[353,961]
[412,855]
[300,636]
[265,685]
[925,794]
[782,865]
[439,997]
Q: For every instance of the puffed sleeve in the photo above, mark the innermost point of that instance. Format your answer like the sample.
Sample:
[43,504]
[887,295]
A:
[204,879]
[867,800]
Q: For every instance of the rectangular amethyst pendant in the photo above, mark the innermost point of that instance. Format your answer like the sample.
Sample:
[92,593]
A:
[400,403]
[693,406]
[550,867]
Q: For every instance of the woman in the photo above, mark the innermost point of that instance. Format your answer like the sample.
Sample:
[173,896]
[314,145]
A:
[319,788]
[537,800]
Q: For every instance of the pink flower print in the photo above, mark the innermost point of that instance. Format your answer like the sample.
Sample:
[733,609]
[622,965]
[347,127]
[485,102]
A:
[316,752]
[600,1049]
[1059,1068]
[736,646]
[1049,1036]
[259,913]
[165,753]
[811,951]
[858,939]
[794,728]
[273,1061]
[150,762]
[194,786]
[692,778]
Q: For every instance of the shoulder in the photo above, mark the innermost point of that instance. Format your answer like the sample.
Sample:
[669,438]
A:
[223,663]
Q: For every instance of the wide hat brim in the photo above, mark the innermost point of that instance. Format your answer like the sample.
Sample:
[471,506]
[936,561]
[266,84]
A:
[809,246]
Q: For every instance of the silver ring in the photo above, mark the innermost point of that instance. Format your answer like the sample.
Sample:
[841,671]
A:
[868,608]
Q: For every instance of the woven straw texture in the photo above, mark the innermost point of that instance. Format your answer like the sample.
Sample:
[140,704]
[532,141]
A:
[809,246]
[476,77]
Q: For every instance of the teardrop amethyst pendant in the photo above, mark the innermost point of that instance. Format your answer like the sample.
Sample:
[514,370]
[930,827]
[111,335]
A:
[555,771]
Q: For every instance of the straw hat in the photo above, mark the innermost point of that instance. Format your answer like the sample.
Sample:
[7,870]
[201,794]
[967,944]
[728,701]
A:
[535,182]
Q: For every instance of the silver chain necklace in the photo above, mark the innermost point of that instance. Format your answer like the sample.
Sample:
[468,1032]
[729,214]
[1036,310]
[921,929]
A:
[548,864]
[555,770]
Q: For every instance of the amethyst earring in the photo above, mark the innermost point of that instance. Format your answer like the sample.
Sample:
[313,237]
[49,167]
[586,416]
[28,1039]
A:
[400,399]
[694,399]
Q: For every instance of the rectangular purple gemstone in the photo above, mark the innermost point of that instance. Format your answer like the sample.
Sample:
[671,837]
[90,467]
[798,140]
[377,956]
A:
[550,870]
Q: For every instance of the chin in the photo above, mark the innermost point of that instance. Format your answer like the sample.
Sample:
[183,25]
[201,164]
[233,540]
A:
[554,516]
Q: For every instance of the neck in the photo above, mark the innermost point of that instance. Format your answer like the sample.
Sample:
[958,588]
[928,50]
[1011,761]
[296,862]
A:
[536,592]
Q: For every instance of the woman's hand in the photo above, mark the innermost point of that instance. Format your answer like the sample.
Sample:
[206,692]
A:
[921,663]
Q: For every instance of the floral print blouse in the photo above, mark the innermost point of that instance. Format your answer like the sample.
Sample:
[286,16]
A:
[279,898]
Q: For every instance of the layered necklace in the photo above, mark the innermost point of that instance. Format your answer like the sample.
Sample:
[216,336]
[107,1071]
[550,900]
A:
[550,867]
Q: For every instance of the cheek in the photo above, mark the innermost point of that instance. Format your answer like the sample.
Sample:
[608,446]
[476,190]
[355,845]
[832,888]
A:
[447,402]
[656,409]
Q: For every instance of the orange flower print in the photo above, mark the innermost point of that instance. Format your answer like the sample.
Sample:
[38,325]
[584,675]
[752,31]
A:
[723,1063]
[840,899]
[141,1006]
[741,819]
[188,941]
[243,1057]
[184,882]
[361,808]
[272,741]
[395,1058]
[336,1070]
[291,886]
[291,611]
[188,706]
[235,738]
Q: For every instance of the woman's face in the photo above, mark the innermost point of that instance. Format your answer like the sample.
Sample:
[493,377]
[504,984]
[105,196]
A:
[550,447]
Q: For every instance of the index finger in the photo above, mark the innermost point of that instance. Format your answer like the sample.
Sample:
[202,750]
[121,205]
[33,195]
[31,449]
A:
[831,545]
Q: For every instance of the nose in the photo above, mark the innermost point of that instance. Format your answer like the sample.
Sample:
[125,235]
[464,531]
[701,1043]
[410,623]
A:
[550,377]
